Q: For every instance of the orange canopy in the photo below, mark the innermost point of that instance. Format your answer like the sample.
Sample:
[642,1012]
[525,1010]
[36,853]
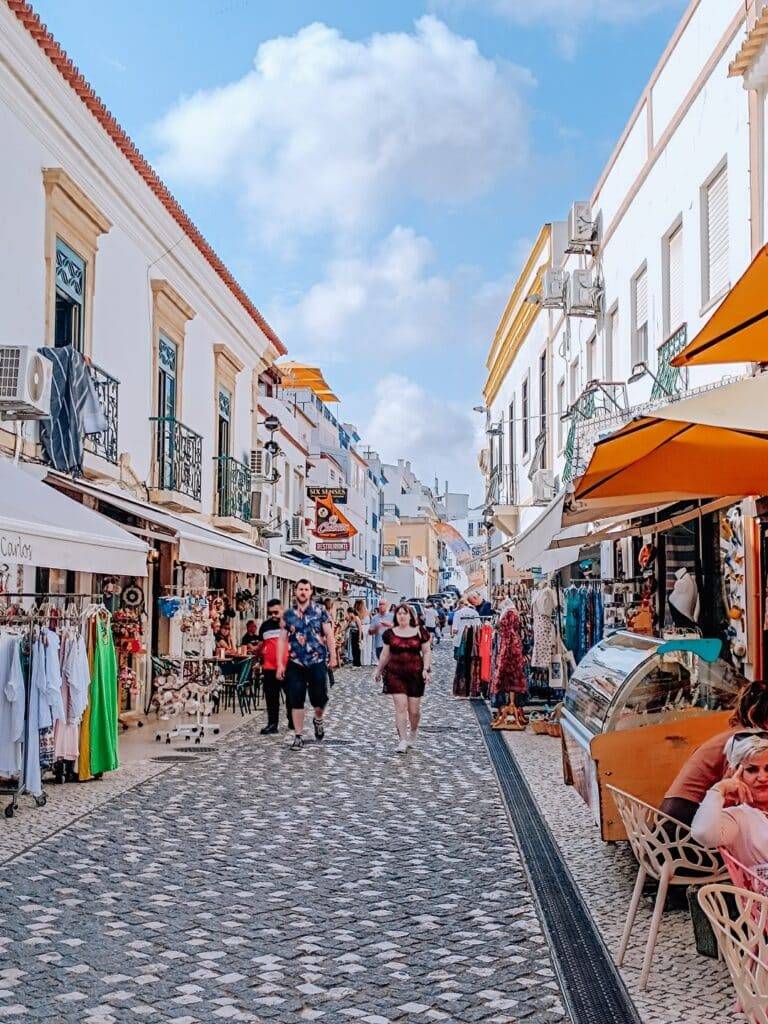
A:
[660,460]
[737,332]
[298,375]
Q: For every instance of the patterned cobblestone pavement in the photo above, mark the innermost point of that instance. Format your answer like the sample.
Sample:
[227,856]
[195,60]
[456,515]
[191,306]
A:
[684,988]
[341,883]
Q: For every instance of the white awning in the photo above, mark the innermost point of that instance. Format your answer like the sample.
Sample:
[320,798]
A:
[291,569]
[531,547]
[198,544]
[41,527]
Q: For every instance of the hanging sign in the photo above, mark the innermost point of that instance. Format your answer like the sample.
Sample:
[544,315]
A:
[330,522]
[339,494]
[340,547]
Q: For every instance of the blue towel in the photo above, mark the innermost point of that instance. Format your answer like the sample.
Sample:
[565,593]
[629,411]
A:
[75,410]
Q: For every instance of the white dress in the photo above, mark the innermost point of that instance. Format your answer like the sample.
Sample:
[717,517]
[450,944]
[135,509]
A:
[545,646]
[11,706]
[366,642]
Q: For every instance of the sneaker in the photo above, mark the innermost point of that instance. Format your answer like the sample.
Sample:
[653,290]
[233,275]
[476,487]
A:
[402,747]
[319,729]
[411,741]
[298,743]
[269,730]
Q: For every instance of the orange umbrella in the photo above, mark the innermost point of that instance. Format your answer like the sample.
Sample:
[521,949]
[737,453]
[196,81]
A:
[708,445]
[737,332]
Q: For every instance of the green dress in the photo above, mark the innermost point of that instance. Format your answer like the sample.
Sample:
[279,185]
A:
[103,706]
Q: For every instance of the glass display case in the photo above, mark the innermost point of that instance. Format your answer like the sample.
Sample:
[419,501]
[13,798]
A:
[634,709]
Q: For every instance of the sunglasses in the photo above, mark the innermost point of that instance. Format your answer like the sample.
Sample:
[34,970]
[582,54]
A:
[761,733]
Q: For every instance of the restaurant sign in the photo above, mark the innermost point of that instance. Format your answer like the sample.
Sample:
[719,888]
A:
[338,494]
[15,548]
[340,547]
[330,522]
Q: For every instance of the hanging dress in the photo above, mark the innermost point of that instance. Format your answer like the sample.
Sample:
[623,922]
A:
[103,719]
[509,670]
[544,629]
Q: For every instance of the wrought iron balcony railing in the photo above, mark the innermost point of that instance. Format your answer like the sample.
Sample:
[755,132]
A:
[107,387]
[390,551]
[391,510]
[178,457]
[670,379]
[233,488]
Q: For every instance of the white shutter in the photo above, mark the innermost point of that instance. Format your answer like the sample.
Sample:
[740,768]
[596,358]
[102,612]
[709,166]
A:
[717,234]
[641,299]
[675,280]
[611,341]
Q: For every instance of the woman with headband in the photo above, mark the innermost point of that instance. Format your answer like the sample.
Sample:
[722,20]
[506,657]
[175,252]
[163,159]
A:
[734,813]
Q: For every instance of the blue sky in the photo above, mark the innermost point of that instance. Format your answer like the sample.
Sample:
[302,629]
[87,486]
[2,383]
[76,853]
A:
[375,177]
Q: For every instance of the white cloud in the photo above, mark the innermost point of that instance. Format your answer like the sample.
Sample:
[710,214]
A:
[390,303]
[440,438]
[326,132]
[567,18]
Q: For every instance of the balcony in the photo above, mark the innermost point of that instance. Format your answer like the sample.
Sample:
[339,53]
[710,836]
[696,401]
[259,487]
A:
[502,499]
[104,445]
[670,379]
[390,511]
[177,472]
[390,554]
[233,495]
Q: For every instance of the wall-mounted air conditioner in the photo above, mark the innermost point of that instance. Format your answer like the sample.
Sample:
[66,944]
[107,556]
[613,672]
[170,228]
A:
[261,466]
[553,289]
[298,531]
[260,507]
[582,229]
[25,383]
[543,484]
[584,294]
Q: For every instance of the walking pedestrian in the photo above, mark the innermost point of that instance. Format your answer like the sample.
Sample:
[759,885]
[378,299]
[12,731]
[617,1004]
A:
[307,650]
[405,665]
[268,638]
[380,621]
[354,630]
[328,604]
[366,640]
[430,621]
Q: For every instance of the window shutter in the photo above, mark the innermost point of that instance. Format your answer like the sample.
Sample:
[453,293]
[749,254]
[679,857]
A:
[717,234]
[611,341]
[675,280]
[641,299]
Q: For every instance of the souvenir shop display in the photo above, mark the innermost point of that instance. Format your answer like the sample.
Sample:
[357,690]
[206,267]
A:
[473,661]
[618,706]
[508,679]
[621,598]
[58,698]
[583,606]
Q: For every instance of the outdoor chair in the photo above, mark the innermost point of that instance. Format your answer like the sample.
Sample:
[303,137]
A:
[739,919]
[743,877]
[667,852]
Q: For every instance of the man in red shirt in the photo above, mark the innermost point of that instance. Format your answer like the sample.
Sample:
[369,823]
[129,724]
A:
[270,632]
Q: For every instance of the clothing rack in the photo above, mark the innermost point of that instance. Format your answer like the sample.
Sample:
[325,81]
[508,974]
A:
[28,619]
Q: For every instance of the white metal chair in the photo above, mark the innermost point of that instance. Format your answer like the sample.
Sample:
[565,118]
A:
[743,940]
[665,851]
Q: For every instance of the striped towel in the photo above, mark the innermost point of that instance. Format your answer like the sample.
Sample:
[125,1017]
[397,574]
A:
[75,410]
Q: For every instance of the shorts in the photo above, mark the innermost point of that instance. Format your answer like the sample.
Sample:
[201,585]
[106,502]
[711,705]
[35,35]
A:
[301,680]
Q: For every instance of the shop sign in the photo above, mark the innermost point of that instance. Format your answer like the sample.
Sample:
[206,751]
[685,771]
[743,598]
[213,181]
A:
[339,546]
[338,494]
[15,548]
[330,522]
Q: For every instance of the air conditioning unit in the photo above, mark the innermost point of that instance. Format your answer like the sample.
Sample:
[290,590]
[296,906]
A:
[543,483]
[260,507]
[584,294]
[298,531]
[261,466]
[553,289]
[582,229]
[25,383]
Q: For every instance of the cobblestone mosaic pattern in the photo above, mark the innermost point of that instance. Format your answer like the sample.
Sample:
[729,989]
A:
[684,988]
[341,883]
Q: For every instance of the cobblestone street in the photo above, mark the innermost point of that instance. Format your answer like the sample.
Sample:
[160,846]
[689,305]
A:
[341,883]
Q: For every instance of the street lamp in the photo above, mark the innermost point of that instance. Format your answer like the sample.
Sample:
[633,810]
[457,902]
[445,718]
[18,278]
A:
[639,370]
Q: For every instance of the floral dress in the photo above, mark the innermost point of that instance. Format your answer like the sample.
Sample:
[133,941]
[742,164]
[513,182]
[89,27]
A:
[404,672]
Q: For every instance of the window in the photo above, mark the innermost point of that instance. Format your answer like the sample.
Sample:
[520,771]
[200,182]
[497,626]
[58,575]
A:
[575,379]
[287,486]
[405,547]
[592,358]
[168,357]
[611,343]
[298,489]
[224,423]
[470,529]
[70,297]
[561,403]
[673,281]
[640,316]
[715,236]
[333,475]
[512,453]
[525,411]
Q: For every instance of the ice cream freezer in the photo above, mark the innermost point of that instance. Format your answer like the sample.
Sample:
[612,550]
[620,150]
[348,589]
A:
[634,710]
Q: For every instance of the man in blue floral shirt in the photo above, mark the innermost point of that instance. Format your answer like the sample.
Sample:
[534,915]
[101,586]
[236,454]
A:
[307,651]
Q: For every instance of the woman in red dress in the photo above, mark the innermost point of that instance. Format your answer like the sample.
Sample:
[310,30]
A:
[405,665]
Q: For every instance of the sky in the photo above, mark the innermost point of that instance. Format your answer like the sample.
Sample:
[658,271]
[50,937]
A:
[374,174]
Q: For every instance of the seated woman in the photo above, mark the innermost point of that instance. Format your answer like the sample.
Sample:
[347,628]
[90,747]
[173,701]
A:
[225,646]
[734,813]
[707,764]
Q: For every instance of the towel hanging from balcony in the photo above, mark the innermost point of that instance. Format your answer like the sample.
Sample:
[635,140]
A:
[75,410]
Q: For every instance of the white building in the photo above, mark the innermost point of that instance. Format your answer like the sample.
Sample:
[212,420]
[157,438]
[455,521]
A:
[672,222]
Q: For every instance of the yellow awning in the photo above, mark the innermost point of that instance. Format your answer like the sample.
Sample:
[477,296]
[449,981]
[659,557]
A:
[298,375]
[737,332]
